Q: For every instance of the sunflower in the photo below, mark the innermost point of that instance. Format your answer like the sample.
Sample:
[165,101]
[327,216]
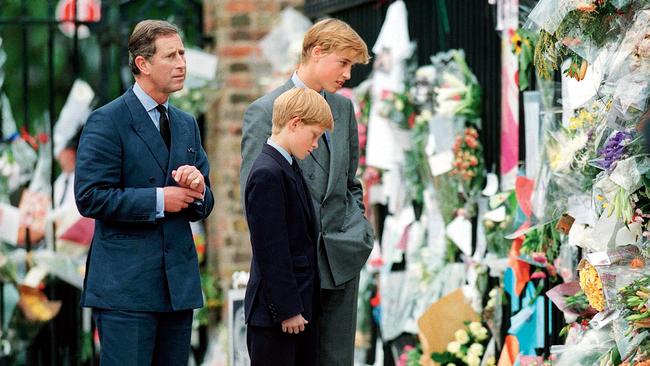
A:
[516,42]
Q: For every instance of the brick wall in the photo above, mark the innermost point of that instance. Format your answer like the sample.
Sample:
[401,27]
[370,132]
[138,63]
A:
[237,26]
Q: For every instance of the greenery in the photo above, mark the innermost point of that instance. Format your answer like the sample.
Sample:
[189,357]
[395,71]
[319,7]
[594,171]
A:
[594,22]
[99,59]
[213,298]
[543,240]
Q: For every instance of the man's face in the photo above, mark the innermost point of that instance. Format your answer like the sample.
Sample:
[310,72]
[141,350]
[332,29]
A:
[333,69]
[166,69]
[305,139]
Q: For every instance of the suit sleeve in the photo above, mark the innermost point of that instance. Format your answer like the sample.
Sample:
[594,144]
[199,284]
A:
[354,185]
[98,174]
[266,207]
[256,129]
[201,209]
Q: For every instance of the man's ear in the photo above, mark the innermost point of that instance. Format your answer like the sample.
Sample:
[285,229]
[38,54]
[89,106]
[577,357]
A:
[316,53]
[142,64]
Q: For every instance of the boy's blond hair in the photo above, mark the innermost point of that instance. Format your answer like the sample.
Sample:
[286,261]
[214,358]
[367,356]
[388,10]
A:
[334,35]
[305,103]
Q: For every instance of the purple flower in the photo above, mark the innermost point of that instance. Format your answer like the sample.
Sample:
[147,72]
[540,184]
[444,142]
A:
[614,150]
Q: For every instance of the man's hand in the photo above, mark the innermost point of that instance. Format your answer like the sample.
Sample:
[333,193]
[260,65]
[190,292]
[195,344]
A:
[189,177]
[294,325]
[178,198]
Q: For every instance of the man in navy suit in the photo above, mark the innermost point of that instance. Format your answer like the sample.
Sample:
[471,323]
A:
[143,176]
[283,293]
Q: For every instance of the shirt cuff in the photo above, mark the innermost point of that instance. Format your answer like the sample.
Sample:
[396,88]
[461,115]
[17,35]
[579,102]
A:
[160,203]
[200,202]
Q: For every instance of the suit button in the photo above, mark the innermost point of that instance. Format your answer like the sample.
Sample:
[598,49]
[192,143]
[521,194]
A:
[311,176]
[152,179]
[166,250]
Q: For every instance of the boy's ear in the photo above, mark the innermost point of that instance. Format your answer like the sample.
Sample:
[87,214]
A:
[293,122]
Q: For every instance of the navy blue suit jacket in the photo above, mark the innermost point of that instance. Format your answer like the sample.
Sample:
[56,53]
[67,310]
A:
[284,270]
[137,262]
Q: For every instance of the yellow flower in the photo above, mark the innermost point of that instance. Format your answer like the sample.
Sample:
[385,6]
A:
[515,40]
[591,284]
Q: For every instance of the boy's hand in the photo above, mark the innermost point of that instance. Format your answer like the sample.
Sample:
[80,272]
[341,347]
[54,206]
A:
[294,325]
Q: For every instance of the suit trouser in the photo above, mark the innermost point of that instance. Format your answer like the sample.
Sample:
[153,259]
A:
[270,346]
[338,324]
[143,338]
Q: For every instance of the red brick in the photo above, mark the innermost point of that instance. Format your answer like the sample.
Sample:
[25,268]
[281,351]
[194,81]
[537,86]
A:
[236,51]
[240,6]
[238,82]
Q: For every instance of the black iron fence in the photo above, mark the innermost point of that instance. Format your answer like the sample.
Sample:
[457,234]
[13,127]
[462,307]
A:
[42,64]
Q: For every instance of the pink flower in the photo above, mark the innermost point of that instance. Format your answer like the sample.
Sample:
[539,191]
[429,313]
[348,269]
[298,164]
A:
[540,257]
[538,274]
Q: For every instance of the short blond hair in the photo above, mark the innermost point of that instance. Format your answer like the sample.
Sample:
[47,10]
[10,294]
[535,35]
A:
[305,103]
[334,35]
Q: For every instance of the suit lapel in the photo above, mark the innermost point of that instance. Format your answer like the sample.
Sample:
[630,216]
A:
[179,142]
[300,188]
[336,147]
[144,127]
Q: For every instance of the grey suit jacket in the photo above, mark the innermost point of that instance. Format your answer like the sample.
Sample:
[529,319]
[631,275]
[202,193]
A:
[345,233]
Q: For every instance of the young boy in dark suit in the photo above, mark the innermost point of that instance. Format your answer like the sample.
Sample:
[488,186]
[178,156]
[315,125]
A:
[282,295]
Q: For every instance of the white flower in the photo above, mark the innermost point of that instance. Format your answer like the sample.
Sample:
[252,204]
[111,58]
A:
[8,170]
[399,105]
[473,360]
[475,327]
[452,80]
[562,153]
[476,349]
[451,364]
[461,336]
[426,115]
[453,347]
[482,334]
[427,73]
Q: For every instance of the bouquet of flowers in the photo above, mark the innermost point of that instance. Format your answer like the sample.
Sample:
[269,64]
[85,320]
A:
[468,162]
[398,108]
[591,285]
[542,245]
[458,92]
[523,44]
[497,226]
[575,29]
[467,348]
[636,311]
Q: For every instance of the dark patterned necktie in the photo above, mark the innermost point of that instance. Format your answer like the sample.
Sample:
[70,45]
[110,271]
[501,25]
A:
[164,124]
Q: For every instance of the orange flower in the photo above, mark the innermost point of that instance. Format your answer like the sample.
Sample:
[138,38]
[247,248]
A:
[637,263]
[586,7]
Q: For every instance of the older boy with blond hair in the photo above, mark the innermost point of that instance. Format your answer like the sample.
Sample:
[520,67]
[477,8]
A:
[330,49]
[283,292]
